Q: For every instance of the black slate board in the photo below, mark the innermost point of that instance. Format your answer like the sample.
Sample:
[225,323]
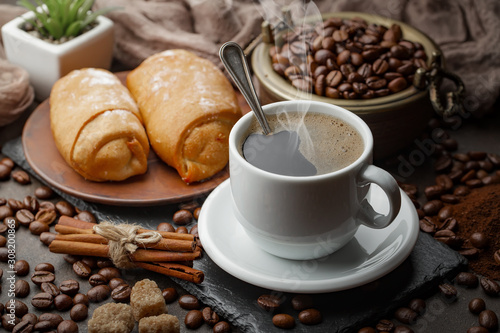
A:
[428,265]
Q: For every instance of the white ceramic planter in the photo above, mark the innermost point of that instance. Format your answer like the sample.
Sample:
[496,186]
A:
[47,62]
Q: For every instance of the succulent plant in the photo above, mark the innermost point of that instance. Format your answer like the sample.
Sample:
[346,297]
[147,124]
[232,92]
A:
[62,18]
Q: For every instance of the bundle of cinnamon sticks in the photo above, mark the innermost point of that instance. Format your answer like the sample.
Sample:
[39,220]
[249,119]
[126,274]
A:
[173,255]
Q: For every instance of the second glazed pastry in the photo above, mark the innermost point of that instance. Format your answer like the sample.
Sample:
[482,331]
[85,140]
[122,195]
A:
[189,108]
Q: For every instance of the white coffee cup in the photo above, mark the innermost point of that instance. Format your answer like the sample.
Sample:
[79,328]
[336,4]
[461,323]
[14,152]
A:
[307,217]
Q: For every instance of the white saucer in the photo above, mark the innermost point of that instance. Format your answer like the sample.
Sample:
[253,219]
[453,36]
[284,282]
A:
[369,256]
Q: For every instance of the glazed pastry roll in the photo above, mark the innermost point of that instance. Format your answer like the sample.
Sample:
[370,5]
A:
[189,108]
[97,126]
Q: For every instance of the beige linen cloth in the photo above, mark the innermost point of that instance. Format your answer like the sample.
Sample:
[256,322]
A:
[16,93]
[465,30]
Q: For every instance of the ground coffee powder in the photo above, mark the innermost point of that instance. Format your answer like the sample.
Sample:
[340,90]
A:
[479,212]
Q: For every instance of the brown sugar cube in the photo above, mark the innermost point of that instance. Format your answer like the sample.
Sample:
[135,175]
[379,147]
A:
[112,317]
[164,323]
[147,300]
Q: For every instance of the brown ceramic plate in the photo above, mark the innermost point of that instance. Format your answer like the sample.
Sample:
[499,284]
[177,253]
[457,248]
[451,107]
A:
[160,185]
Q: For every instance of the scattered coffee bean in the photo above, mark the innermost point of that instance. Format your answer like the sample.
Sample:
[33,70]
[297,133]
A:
[47,237]
[110,272]
[82,269]
[488,319]
[46,216]
[222,327]
[496,256]
[448,291]
[193,319]
[6,211]
[4,255]
[385,325]
[3,241]
[182,217]
[52,318]
[21,267]
[269,302]
[97,279]
[467,279]
[302,302]
[449,224]
[189,302]
[196,213]
[50,288]
[21,177]
[21,288]
[476,305]
[432,207]
[71,259]
[434,192]
[115,282]
[7,162]
[45,267]
[489,286]
[67,326]
[210,316]
[44,326]
[470,253]
[367,329]
[30,317]
[37,227]
[69,287]
[478,329]
[418,305]
[402,329]
[23,326]
[63,302]
[79,312]
[44,192]
[102,263]
[164,226]
[99,293]
[121,293]
[20,308]
[86,216]
[5,172]
[479,240]
[445,213]
[182,230]
[39,277]
[65,208]
[90,261]
[42,301]
[169,294]
[11,221]
[7,322]
[406,315]
[310,317]
[284,321]
[427,225]
[81,299]
[24,217]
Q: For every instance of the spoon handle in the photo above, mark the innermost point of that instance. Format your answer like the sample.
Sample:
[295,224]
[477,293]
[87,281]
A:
[234,60]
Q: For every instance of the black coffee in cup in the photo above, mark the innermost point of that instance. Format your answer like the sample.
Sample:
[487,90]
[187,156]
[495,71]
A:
[303,144]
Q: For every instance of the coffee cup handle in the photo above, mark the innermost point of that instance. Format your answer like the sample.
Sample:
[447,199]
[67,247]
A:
[367,215]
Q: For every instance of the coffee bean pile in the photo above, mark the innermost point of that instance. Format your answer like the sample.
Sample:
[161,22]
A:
[461,176]
[349,59]
[197,314]
[409,315]
[304,304]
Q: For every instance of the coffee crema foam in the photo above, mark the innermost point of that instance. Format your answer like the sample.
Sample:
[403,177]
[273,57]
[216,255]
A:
[326,141]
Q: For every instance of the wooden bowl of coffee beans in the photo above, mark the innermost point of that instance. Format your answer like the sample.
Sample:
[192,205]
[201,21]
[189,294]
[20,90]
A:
[362,62]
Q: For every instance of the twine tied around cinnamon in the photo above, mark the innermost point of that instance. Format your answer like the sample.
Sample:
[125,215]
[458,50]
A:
[123,240]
